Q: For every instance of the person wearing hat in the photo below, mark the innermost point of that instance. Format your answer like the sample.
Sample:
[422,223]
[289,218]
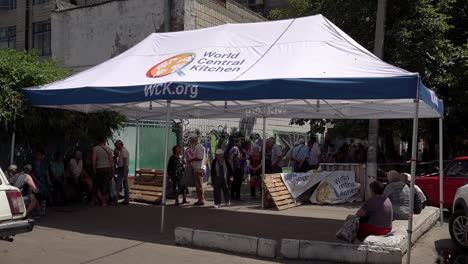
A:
[25,183]
[121,156]
[299,157]
[197,161]
[221,175]
[399,194]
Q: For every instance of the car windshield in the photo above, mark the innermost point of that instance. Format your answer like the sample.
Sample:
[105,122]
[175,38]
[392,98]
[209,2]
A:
[458,168]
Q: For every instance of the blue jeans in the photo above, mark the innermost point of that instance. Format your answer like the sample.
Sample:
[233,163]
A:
[122,178]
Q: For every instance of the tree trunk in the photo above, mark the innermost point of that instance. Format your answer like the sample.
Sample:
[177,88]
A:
[371,166]
[371,169]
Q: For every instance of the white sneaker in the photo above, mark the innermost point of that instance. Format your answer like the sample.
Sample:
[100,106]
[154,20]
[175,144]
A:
[228,204]
[216,206]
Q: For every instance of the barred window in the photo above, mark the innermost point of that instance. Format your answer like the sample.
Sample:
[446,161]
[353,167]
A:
[7,4]
[8,37]
[41,38]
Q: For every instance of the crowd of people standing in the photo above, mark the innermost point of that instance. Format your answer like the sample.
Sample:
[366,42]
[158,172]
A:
[96,180]
[227,170]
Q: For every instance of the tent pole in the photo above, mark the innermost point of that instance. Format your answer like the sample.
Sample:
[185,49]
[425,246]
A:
[166,145]
[137,139]
[12,153]
[413,176]
[263,160]
[441,170]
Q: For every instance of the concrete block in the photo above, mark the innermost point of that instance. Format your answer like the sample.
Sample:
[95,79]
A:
[421,224]
[334,252]
[395,241]
[290,248]
[183,236]
[384,255]
[267,248]
[224,241]
[427,222]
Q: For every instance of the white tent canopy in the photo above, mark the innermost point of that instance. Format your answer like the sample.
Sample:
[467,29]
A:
[296,68]
[304,67]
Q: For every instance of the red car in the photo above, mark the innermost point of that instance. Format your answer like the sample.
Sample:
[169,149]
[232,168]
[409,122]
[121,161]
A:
[455,176]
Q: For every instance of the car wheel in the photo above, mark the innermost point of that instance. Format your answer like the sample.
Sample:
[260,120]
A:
[458,228]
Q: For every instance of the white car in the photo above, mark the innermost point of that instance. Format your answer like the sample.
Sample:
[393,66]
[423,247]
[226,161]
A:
[459,221]
[12,211]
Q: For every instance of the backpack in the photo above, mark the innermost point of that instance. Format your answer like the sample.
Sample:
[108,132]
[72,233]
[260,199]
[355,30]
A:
[348,232]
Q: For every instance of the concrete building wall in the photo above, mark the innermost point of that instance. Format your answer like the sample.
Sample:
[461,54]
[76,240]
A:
[84,37]
[17,17]
[38,12]
[8,18]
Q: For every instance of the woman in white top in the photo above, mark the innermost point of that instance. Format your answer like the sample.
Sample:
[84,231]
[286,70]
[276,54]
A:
[78,175]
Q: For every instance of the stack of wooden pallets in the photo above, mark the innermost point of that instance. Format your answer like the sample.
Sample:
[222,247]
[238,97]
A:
[147,186]
[276,193]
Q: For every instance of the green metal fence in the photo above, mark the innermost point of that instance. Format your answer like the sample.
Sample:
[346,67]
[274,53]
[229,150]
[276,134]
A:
[151,138]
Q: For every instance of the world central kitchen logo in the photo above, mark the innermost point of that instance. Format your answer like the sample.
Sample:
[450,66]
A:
[210,62]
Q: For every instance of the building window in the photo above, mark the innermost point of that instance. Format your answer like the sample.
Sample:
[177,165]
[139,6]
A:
[7,4]
[41,38]
[8,37]
[38,2]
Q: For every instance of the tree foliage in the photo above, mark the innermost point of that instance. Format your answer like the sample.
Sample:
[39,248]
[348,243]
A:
[424,36]
[36,127]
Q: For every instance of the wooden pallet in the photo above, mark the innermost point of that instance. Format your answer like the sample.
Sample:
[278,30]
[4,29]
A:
[146,193]
[147,186]
[149,177]
[276,193]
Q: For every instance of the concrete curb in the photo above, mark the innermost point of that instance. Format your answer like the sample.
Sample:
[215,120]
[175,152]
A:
[375,249]
[267,248]
[183,236]
[249,245]
[335,252]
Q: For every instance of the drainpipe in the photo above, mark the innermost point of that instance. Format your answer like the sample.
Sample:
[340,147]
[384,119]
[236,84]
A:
[27,25]
[167,16]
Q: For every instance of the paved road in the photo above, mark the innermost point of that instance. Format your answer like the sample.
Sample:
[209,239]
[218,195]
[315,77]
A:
[435,244]
[82,237]
[50,246]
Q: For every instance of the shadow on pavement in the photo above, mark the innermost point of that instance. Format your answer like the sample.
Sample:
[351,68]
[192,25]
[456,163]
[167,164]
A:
[142,222]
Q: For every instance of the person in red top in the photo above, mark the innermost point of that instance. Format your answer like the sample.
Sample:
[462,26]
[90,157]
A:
[376,214]
[255,166]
